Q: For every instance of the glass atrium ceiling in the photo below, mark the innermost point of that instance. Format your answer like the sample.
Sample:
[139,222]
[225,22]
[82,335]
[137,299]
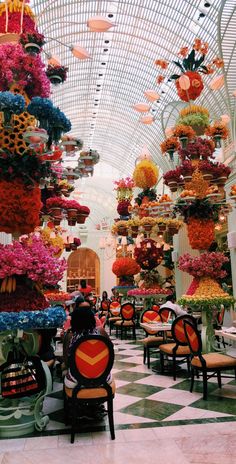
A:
[99,93]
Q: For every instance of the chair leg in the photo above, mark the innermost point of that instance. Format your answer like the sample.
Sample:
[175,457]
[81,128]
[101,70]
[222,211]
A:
[162,362]
[134,333]
[121,332]
[148,357]
[110,417]
[144,354]
[219,379]
[73,422]
[188,365]
[204,378]
[192,380]
[174,367]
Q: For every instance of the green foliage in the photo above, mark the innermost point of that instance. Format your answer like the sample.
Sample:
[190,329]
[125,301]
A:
[194,119]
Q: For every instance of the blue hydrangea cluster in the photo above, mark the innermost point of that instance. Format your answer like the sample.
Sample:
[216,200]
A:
[46,319]
[13,103]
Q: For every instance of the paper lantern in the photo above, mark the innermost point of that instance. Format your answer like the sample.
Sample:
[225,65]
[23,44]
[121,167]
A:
[169,131]
[217,83]
[53,60]
[79,52]
[141,107]
[145,154]
[184,82]
[151,95]
[225,118]
[147,119]
[99,24]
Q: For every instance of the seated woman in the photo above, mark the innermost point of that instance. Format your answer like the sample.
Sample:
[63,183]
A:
[83,322]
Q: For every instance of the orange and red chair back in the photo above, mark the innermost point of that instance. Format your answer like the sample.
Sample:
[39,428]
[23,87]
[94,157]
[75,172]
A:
[193,337]
[127,311]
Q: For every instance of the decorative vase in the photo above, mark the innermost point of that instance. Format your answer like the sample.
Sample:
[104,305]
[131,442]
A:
[72,221]
[217,140]
[162,227]
[171,154]
[207,175]
[147,227]
[221,180]
[123,231]
[32,48]
[55,211]
[173,230]
[187,177]
[173,186]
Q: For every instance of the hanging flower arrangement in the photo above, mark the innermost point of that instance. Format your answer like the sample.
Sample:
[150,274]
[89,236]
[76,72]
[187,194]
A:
[207,264]
[148,256]
[181,131]
[145,174]
[32,42]
[188,80]
[199,149]
[12,16]
[170,145]
[217,131]
[124,189]
[196,117]
[123,207]
[57,74]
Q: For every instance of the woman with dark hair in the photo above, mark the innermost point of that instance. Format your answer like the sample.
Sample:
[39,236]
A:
[104,296]
[83,322]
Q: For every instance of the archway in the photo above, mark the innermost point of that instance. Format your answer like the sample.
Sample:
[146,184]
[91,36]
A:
[83,264]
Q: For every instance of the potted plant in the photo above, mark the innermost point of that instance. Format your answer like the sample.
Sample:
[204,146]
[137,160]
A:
[221,173]
[218,131]
[170,145]
[32,42]
[184,133]
[55,206]
[148,223]
[171,178]
[57,74]
[71,144]
[207,169]
[186,169]
[196,117]
[83,213]
[198,150]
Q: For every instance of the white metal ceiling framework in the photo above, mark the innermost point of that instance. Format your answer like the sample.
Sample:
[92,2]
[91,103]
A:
[99,93]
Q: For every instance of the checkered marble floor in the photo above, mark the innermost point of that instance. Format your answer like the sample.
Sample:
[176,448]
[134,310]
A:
[146,399]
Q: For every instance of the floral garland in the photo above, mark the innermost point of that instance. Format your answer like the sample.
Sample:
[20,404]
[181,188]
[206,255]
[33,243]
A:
[46,319]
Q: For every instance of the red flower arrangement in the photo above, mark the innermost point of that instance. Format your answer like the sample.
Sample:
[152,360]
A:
[172,176]
[55,202]
[148,256]
[123,207]
[186,168]
[59,71]
[14,23]
[27,70]
[125,267]
[220,170]
[19,207]
[195,88]
[24,298]
[199,149]
[201,233]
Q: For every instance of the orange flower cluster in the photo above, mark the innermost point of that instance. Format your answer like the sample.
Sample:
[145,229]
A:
[201,233]
[170,144]
[160,79]
[19,207]
[162,63]
[183,52]
[218,129]
[145,174]
[201,47]
[218,62]
[184,131]
[125,267]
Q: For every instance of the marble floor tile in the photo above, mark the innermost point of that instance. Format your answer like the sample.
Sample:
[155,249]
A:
[80,439]
[136,359]
[193,413]
[139,368]
[159,381]
[121,401]
[105,437]
[131,352]
[169,395]
[121,418]
[140,435]
[38,443]
[12,444]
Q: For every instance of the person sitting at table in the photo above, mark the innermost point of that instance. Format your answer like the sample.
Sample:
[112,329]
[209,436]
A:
[85,289]
[169,303]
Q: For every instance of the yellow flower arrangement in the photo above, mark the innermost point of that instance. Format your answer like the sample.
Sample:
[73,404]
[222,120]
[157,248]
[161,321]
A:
[148,220]
[190,109]
[145,174]
[57,241]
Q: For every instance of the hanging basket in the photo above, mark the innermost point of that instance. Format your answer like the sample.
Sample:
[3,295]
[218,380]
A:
[55,79]
[123,231]
[88,160]
[34,137]
[173,230]
[183,141]
[221,180]
[147,227]
[72,221]
[32,48]
[207,175]
[72,213]
[70,146]
[162,227]
[81,218]
[171,154]
[217,140]
[55,212]
[173,186]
